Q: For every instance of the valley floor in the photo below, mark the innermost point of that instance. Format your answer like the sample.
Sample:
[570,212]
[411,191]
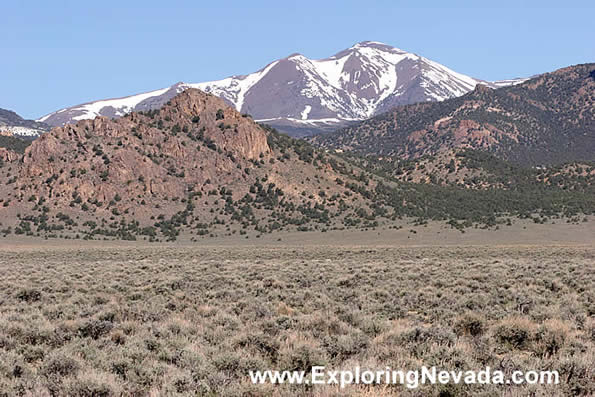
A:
[132,318]
[403,233]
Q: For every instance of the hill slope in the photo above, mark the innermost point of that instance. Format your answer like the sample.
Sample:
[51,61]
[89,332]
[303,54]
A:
[304,96]
[545,120]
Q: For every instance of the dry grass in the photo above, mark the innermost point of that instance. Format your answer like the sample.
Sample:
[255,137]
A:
[186,321]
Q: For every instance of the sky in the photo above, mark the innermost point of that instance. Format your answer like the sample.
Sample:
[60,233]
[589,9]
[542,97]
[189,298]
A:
[59,53]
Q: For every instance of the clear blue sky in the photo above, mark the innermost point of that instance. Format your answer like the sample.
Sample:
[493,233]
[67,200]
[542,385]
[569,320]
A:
[60,53]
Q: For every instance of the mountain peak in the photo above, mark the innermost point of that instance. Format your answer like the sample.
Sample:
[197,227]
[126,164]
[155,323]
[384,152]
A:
[368,43]
[296,56]
[376,45]
[193,102]
[189,95]
[509,122]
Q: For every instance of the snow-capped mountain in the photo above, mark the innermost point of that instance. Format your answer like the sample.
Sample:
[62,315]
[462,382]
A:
[303,96]
[13,124]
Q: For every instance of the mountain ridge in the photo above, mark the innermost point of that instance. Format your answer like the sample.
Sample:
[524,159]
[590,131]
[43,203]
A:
[310,95]
[194,163]
[549,119]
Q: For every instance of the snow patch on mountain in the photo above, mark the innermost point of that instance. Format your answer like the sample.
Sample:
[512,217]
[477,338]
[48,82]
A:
[306,111]
[329,120]
[22,131]
[332,70]
[120,106]
[506,83]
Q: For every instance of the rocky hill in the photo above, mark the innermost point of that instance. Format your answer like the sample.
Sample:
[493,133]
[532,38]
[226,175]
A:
[546,120]
[303,96]
[195,163]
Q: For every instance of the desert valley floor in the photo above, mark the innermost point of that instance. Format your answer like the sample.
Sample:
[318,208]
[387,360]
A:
[122,318]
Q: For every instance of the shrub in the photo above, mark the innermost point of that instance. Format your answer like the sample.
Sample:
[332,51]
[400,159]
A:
[59,365]
[95,329]
[470,324]
[551,337]
[29,295]
[92,384]
[300,356]
[516,332]
[590,328]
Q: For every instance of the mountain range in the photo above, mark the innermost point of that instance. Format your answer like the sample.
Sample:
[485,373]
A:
[198,167]
[302,96]
[549,119]
[185,161]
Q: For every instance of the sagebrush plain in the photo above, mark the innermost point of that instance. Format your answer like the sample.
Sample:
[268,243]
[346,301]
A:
[137,319]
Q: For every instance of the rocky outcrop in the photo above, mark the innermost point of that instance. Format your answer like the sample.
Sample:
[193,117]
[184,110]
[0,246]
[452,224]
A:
[7,155]
[225,126]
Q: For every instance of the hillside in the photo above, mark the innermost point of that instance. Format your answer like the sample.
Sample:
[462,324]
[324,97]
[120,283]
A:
[543,121]
[11,147]
[195,163]
[198,167]
[474,169]
[14,144]
[303,96]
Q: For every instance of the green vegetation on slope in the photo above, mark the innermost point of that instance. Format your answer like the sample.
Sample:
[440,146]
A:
[508,191]
[14,144]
